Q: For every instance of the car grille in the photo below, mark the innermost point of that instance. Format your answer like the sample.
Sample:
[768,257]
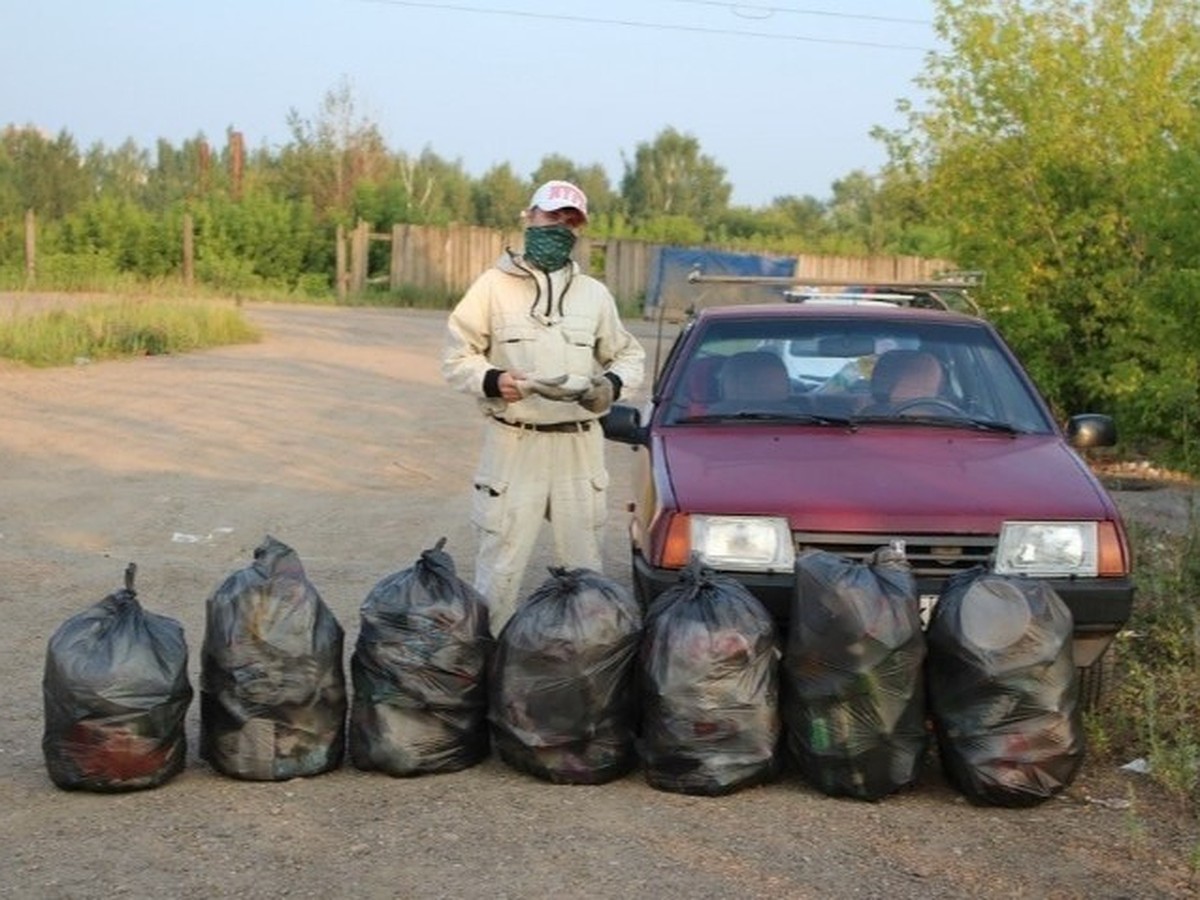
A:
[931,556]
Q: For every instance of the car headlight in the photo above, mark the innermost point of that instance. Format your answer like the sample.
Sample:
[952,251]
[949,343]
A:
[743,543]
[1047,549]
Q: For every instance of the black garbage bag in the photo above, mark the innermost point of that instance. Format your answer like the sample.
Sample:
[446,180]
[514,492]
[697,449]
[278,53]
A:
[709,670]
[562,701]
[1003,689]
[116,693]
[419,672]
[853,682]
[272,686]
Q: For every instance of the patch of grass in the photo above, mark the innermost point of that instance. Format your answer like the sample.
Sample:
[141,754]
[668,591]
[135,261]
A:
[92,273]
[109,330]
[1153,709]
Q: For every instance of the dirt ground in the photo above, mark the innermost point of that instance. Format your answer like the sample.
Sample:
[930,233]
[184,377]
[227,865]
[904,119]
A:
[337,435]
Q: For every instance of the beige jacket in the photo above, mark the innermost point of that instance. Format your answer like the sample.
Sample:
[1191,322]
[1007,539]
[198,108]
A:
[519,319]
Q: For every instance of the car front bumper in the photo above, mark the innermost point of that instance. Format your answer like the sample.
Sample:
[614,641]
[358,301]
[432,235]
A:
[1100,607]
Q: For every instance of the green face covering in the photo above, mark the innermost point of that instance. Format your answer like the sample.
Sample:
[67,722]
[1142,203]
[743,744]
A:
[548,247]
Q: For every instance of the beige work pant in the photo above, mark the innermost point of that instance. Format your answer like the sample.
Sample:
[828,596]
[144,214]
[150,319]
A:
[524,478]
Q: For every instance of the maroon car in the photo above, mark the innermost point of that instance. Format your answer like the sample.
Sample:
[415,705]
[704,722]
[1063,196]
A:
[845,425]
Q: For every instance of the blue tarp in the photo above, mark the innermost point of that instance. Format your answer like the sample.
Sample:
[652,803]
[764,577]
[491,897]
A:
[668,286]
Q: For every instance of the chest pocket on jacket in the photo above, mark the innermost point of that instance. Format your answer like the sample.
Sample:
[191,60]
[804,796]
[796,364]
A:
[580,350]
[515,347]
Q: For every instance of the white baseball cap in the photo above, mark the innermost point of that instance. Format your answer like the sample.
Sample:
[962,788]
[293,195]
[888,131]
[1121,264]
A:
[559,195]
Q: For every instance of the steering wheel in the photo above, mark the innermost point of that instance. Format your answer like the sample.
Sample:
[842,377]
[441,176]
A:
[934,402]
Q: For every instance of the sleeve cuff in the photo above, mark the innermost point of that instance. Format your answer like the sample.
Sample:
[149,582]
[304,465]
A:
[491,383]
[616,383]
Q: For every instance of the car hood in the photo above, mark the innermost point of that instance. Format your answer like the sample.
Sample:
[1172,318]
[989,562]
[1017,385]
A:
[880,478]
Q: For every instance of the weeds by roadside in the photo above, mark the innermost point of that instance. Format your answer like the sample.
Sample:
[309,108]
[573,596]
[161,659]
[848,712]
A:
[1152,710]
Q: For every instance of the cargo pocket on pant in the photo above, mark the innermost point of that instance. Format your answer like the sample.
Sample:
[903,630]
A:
[599,499]
[488,505]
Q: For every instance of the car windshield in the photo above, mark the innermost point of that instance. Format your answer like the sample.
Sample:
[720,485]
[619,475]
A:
[837,371]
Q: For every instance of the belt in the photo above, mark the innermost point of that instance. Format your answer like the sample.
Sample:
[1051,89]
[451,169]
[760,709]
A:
[557,427]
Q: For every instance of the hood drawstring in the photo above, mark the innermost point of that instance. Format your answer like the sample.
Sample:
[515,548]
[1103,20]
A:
[537,286]
[563,293]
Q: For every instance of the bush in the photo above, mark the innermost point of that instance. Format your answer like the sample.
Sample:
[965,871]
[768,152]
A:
[227,273]
[93,271]
[314,284]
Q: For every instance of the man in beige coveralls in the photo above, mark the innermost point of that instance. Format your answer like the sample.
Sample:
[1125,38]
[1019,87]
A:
[543,348]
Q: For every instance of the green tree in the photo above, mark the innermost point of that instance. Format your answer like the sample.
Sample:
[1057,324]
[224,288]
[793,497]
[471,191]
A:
[119,174]
[440,189]
[854,215]
[800,215]
[180,173]
[682,230]
[877,215]
[330,154]
[421,190]
[499,196]
[1052,145]
[46,174]
[904,212]
[671,177]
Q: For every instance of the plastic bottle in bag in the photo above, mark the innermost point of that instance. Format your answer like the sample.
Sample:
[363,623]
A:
[853,674]
[1003,689]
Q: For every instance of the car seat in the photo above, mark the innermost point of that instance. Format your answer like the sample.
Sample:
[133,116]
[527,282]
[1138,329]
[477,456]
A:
[755,376]
[902,375]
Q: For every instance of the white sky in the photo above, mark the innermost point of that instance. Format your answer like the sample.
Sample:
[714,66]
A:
[484,81]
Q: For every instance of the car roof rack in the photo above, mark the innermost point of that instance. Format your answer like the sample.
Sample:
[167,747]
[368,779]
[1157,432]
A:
[947,292]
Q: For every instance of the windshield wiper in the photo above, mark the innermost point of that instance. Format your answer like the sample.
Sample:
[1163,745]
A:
[942,422]
[991,425]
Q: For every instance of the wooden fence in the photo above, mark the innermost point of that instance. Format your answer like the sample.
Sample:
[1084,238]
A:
[868,269]
[446,259]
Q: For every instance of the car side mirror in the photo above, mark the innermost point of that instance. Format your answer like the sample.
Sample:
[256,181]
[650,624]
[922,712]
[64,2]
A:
[623,423]
[1089,430]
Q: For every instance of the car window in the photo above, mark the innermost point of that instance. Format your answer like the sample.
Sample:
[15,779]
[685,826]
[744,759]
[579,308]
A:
[843,368]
